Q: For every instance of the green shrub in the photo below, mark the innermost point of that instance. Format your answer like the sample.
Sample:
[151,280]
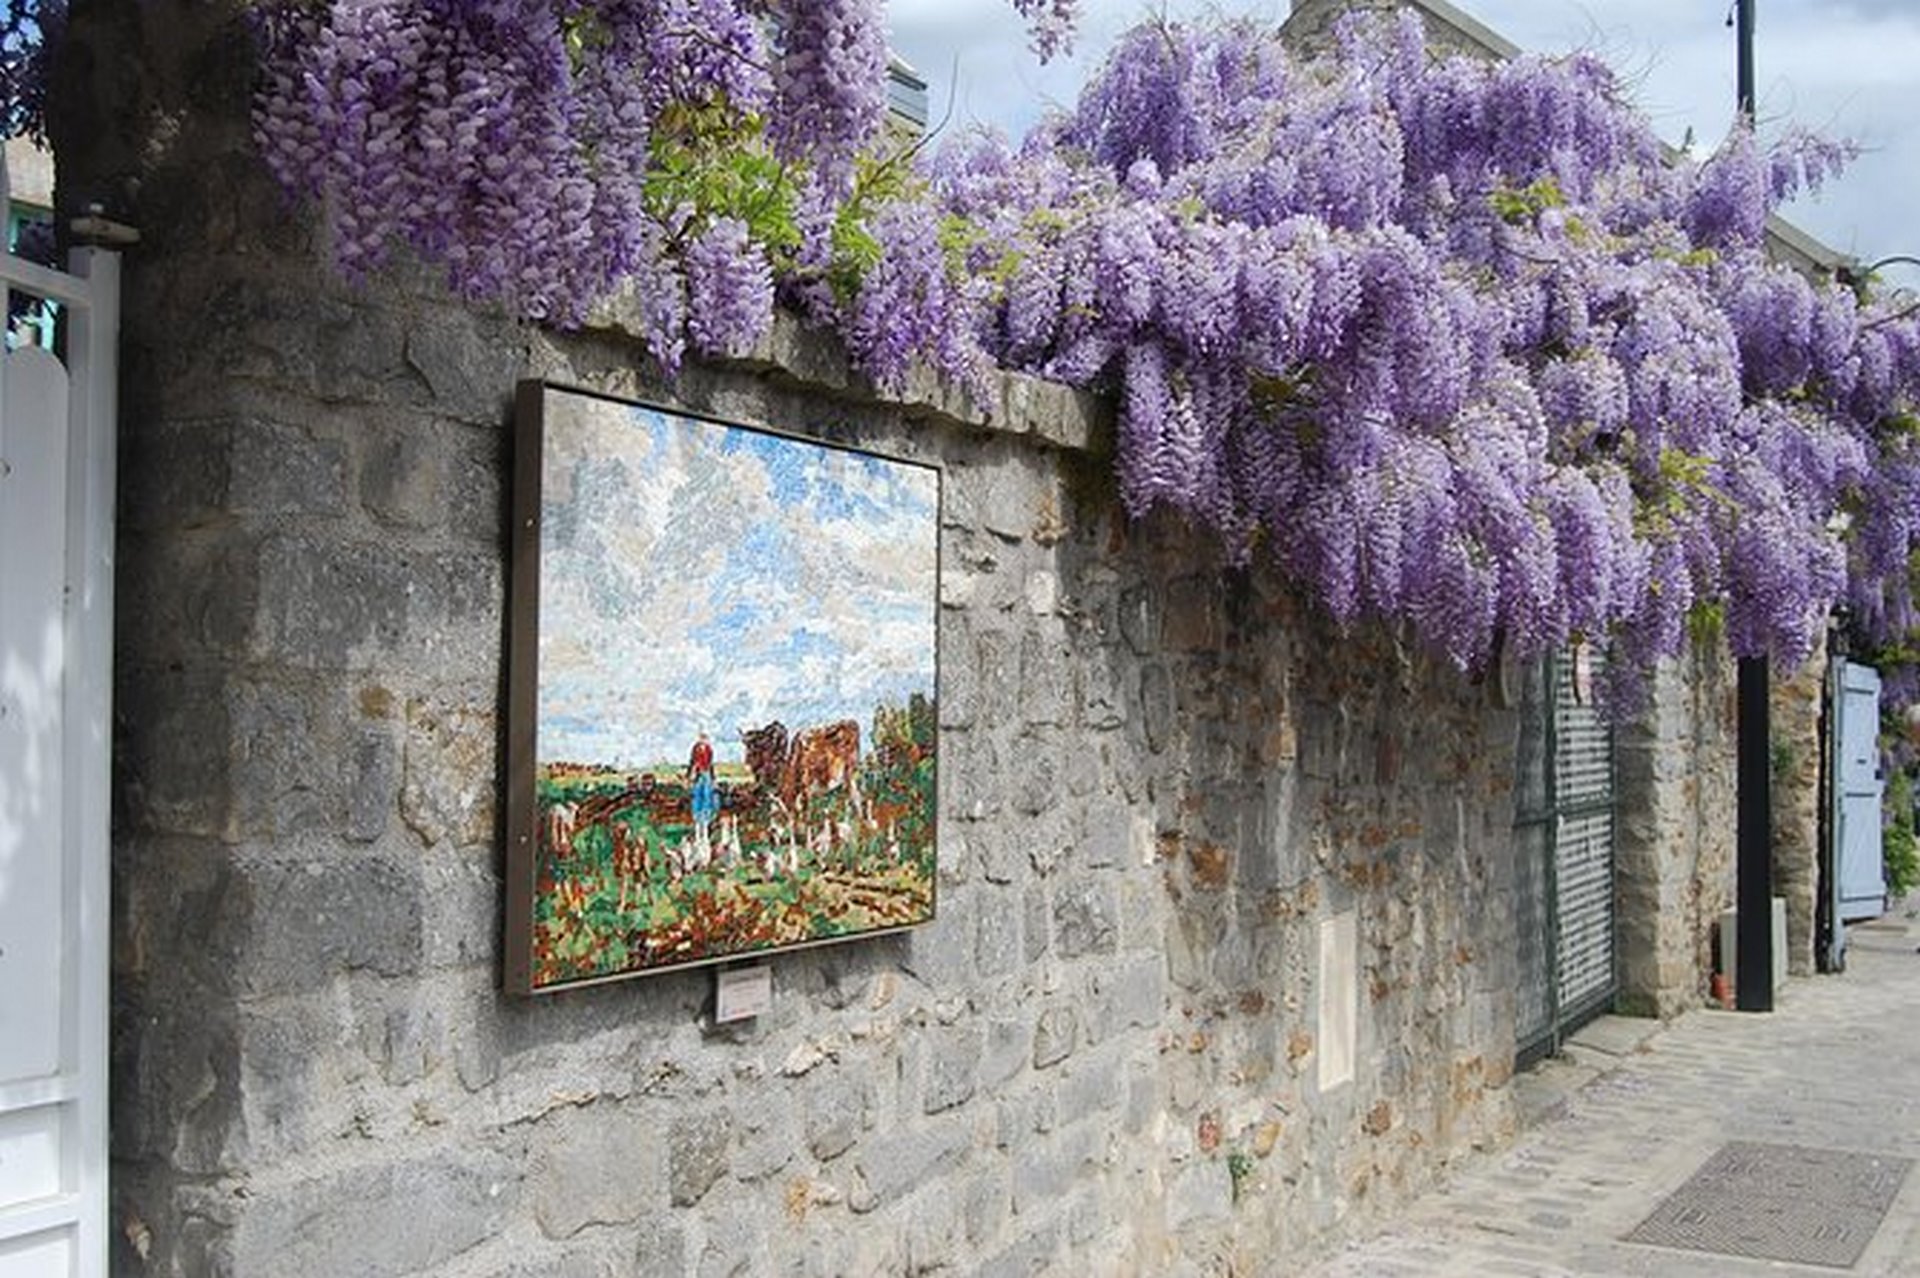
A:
[1899,849]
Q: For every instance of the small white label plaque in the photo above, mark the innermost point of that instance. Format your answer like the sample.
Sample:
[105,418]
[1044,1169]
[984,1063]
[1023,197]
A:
[740,993]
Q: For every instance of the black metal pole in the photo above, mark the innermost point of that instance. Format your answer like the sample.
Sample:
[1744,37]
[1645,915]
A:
[1753,943]
[1743,16]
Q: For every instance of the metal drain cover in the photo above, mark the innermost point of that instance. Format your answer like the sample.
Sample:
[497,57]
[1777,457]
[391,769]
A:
[1779,1202]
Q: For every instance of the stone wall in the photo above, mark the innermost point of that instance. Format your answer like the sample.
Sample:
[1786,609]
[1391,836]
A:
[1675,841]
[1796,700]
[1167,790]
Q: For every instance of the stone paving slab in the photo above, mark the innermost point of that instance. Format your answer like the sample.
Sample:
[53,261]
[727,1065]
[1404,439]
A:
[1835,1066]
[1616,1035]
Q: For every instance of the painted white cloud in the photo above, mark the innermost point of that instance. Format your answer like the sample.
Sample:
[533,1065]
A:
[697,580]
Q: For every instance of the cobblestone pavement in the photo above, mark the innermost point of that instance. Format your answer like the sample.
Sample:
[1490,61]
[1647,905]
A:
[1633,1112]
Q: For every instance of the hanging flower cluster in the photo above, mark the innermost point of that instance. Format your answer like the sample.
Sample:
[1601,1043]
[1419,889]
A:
[1453,343]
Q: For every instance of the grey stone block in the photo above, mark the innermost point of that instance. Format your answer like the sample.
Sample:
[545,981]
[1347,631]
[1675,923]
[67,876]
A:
[337,605]
[379,1221]
[660,1246]
[835,1115]
[1103,699]
[1201,1191]
[448,791]
[415,1044]
[173,769]
[1009,1046]
[1143,1097]
[1109,835]
[895,1162]
[460,887]
[274,470]
[331,605]
[174,474]
[989,1202]
[1036,925]
[175,1094]
[951,1068]
[1055,1035]
[1046,680]
[936,1230]
[477,488]
[1085,916]
[300,923]
[997,950]
[404,477]
[599,1164]
[970,778]
[941,953]
[1035,781]
[698,1149]
[1031,1253]
[1139,985]
[469,363]
[1093,1083]
[287,775]
[1140,612]
[767,1135]
[959,673]
[372,784]
[318,346]
[1156,706]
[999,850]
[1023,1116]
[1046,1170]
[997,658]
[187,600]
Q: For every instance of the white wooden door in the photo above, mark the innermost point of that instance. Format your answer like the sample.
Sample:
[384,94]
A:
[56,548]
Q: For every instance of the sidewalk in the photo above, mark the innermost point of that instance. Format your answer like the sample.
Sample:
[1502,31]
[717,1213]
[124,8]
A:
[1636,1110]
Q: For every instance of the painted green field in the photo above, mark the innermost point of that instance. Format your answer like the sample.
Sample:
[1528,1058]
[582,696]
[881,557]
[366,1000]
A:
[624,883]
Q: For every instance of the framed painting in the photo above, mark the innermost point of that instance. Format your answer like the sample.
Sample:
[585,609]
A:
[721,691]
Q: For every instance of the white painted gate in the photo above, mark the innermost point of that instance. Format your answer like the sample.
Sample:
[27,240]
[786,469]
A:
[56,632]
[1858,791]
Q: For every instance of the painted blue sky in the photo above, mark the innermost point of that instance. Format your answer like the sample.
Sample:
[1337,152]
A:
[702,578]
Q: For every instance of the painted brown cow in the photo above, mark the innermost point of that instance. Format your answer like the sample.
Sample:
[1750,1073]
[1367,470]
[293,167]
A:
[810,763]
[820,760]
[766,750]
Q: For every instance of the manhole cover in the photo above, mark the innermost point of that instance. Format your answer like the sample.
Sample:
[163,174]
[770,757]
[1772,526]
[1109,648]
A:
[1779,1202]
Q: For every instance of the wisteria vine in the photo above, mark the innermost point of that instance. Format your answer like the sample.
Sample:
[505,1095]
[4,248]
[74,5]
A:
[1454,343]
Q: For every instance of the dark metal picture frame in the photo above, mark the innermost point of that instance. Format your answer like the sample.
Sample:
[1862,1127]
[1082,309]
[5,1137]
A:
[722,684]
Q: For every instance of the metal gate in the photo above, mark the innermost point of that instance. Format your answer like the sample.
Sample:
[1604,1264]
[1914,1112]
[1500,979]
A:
[1563,837]
[56,631]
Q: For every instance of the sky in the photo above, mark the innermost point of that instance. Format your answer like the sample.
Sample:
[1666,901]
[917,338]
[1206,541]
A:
[1844,68]
[698,578]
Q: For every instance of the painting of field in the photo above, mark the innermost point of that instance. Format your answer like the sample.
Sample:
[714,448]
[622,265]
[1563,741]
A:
[728,716]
